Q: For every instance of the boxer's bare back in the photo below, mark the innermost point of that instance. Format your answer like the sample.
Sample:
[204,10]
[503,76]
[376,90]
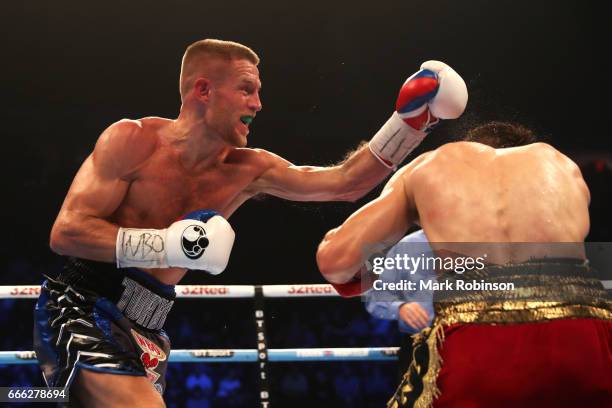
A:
[468,192]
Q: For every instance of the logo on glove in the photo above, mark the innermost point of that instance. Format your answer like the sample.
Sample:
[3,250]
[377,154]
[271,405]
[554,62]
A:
[194,241]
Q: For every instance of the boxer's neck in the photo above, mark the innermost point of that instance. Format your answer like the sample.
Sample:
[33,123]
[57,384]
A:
[194,142]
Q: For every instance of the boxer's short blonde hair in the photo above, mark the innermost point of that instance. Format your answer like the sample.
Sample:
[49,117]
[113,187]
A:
[200,52]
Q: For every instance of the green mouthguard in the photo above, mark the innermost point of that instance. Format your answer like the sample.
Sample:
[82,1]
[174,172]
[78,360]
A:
[246,119]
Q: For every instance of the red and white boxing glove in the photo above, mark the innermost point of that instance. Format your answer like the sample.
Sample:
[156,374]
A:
[433,93]
[360,283]
[201,240]
[350,289]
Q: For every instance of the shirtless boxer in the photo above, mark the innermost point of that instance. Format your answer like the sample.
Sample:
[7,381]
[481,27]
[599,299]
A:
[144,175]
[509,348]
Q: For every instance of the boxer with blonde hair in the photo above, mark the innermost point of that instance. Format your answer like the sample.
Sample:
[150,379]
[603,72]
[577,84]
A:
[99,324]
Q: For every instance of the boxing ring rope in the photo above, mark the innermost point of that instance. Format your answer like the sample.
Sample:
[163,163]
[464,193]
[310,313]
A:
[229,355]
[247,355]
[217,291]
[204,291]
[234,355]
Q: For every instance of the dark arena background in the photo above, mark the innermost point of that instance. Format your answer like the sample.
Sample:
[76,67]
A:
[330,73]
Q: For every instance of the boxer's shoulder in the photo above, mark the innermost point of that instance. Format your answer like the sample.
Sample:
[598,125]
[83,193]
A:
[458,154]
[464,147]
[127,144]
[127,133]
[537,148]
[549,154]
[544,150]
[541,146]
[419,163]
[259,159]
[263,155]
[410,174]
[538,152]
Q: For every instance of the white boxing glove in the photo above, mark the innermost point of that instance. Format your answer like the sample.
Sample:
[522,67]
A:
[203,240]
[452,96]
[433,93]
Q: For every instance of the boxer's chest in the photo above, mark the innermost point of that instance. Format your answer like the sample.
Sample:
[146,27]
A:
[164,190]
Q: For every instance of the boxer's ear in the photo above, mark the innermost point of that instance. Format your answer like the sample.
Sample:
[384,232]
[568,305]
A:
[201,89]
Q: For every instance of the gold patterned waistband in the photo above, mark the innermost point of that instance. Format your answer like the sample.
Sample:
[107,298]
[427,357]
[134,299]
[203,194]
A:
[519,312]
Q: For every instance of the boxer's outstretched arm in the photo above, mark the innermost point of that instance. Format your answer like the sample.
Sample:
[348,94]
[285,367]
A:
[347,181]
[377,225]
[434,92]
[96,192]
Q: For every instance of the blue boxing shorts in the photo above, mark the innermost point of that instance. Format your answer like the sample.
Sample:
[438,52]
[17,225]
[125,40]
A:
[96,317]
